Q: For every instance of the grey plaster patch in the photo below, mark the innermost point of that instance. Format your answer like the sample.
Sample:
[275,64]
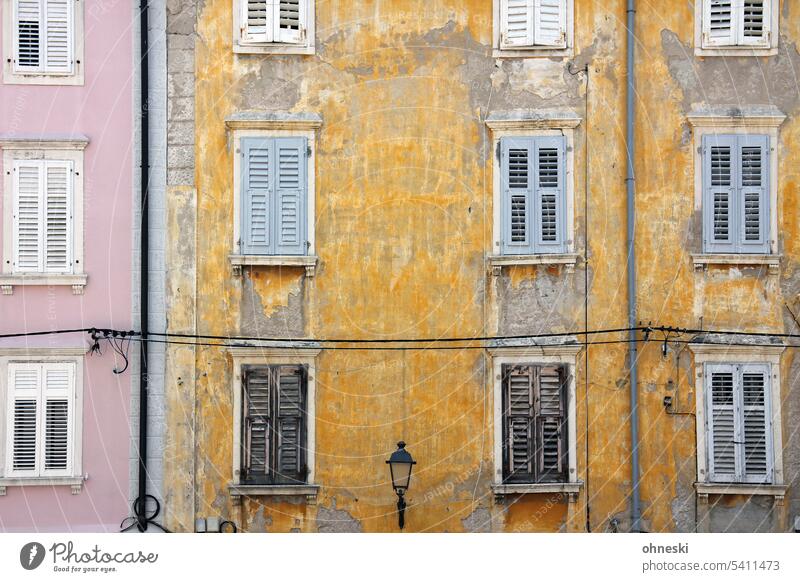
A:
[332,520]
[755,515]
[479,521]
[285,321]
[546,301]
[682,506]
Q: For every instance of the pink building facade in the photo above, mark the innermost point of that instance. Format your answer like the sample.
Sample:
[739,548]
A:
[66,228]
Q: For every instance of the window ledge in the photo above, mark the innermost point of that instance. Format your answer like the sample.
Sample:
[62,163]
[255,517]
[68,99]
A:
[531,52]
[273,49]
[703,260]
[571,490]
[736,51]
[307,261]
[706,489]
[497,262]
[75,482]
[308,491]
[8,281]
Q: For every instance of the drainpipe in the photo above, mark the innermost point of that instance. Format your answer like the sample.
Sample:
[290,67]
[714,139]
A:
[144,250]
[630,185]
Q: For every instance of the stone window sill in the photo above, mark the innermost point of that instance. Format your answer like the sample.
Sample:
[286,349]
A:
[75,482]
[737,51]
[273,49]
[703,260]
[309,491]
[497,262]
[531,52]
[706,489]
[307,261]
[9,281]
[571,490]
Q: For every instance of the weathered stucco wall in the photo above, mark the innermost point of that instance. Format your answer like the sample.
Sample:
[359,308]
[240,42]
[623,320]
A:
[403,228]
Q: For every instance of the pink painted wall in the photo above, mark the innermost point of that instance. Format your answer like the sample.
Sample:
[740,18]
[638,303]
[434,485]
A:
[101,109]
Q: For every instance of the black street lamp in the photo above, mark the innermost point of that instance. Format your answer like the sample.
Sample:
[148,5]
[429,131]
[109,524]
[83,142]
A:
[400,464]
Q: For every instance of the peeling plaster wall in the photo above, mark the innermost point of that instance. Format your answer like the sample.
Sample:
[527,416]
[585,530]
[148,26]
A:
[403,228]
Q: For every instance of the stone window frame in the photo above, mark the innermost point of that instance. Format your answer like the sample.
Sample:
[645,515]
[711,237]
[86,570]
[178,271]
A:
[737,122]
[535,51]
[275,48]
[530,124]
[740,50]
[71,149]
[271,356]
[562,354]
[12,77]
[706,353]
[44,355]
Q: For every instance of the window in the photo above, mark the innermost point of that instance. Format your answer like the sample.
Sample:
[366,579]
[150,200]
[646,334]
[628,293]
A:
[533,195]
[735,188]
[42,214]
[274,26]
[736,24]
[273,442]
[534,424]
[41,409]
[43,45]
[532,27]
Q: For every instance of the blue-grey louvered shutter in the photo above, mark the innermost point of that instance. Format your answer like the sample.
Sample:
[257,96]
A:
[291,194]
[550,195]
[258,164]
[516,184]
[720,162]
[753,198]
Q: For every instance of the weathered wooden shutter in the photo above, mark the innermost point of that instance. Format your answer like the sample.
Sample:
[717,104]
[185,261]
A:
[258,169]
[24,403]
[57,395]
[291,422]
[58,35]
[719,23]
[291,195]
[518,423]
[756,424]
[256,424]
[28,216]
[517,186]
[752,197]
[754,23]
[290,19]
[58,217]
[550,23]
[550,196]
[257,20]
[551,427]
[720,163]
[516,23]
[27,35]
[721,422]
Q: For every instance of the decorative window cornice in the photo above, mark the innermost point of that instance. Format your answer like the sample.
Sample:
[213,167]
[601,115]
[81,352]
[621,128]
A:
[270,120]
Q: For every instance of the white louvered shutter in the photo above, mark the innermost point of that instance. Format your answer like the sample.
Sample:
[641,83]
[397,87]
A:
[24,403]
[290,20]
[550,195]
[519,456]
[28,53]
[756,424]
[517,189]
[720,164]
[58,217]
[753,23]
[752,197]
[258,163]
[721,423]
[516,23]
[57,426]
[58,36]
[551,428]
[719,23]
[550,23]
[28,216]
[291,194]
[257,20]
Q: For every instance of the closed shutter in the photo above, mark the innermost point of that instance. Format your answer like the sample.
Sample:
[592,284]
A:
[291,196]
[290,18]
[752,198]
[258,169]
[551,445]
[721,421]
[517,23]
[256,425]
[753,23]
[58,217]
[518,423]
[28,216]
[550,23]
[756,424]
[58,36]
[291,425]
[550,199]
[719,23]
[57,390]
[517,184]
[257,18]
[27,35]
[24,404]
